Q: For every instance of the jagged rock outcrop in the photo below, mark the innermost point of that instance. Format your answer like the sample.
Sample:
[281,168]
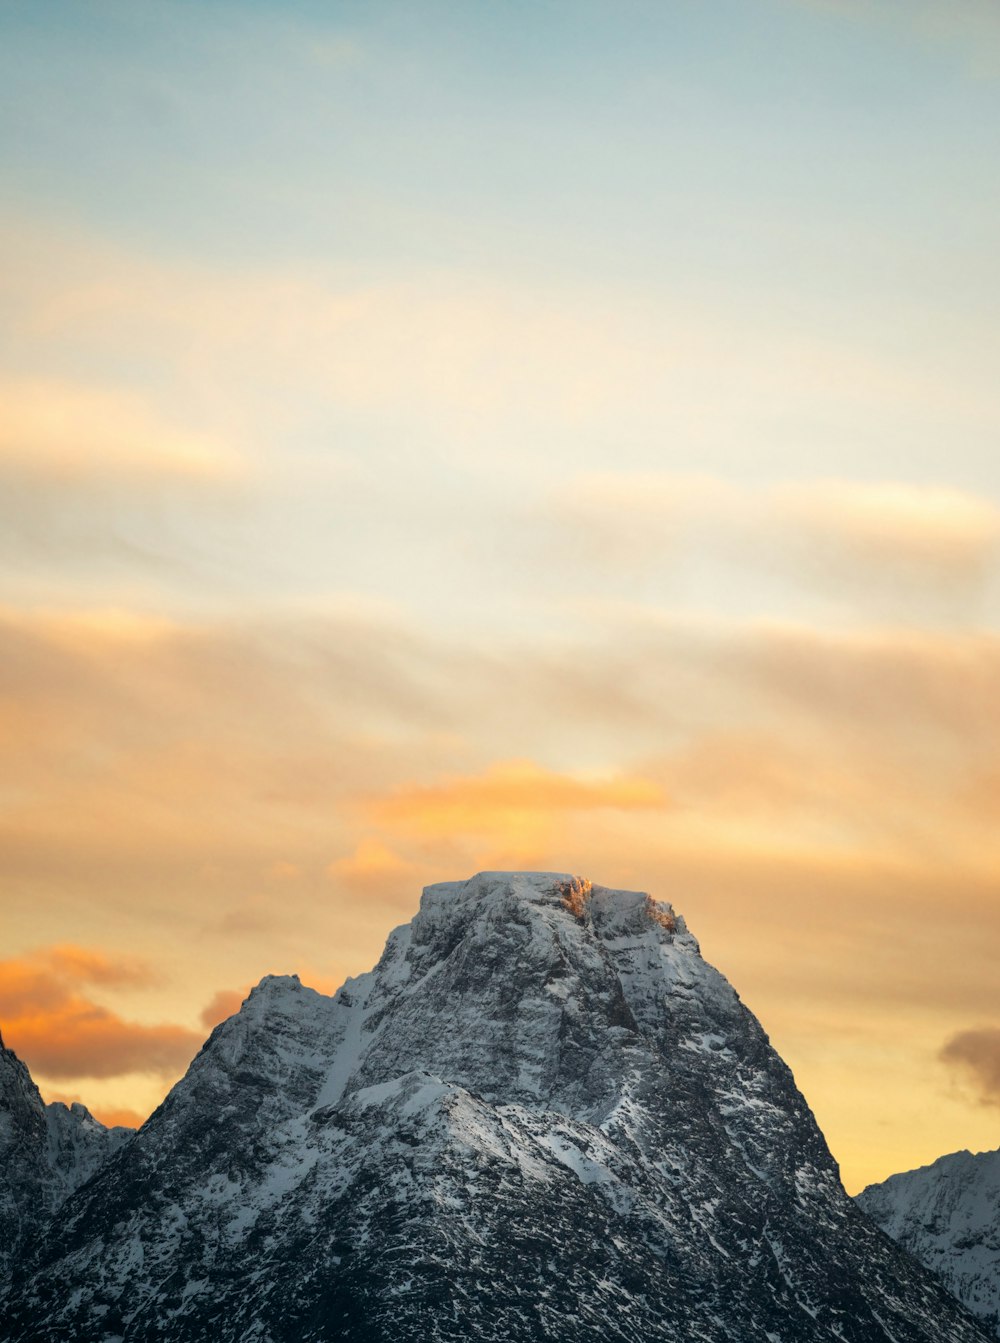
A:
[542,1116]
[947,1215]
[46,1152]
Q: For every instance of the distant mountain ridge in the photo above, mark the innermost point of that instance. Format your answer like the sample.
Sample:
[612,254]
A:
[46,1153]
[947,1215]
[542,1116]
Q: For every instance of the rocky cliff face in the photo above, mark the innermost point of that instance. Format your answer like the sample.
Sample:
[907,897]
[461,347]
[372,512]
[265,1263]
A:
[46,1152]
[948,1216]
[542,1116]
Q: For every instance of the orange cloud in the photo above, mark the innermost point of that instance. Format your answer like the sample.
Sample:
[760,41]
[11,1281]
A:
[87,966]
[509,794]
[123,1117]
[224,1004]
[372,864]
[61,1033]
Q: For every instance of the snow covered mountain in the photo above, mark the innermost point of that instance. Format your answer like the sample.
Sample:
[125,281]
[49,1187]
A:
[46,1152]
[542,1116]
[948,1216]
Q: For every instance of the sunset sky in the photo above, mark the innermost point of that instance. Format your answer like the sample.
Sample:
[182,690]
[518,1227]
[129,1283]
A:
[445,436]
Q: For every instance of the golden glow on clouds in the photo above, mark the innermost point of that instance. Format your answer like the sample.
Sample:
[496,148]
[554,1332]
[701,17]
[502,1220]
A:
[475,364]
[884,521]
[512,798]
[50,1018]
[52,431]
[223,1005]
[822,807]
[371,865]
[865,531]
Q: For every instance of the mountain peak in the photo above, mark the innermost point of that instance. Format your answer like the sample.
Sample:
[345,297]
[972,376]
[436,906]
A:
[603,910]
[276,986]
[541,1116]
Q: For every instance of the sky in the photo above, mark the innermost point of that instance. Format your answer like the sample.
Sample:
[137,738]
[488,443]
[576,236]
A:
[447,436]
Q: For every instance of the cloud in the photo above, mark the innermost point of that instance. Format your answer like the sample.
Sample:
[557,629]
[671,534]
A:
[85,965]
[918,529]
[67,434]
[126,1118]
[470,358]
[373,865]
[865,537]
[236,752]
[97,481]
[224,1004]
[61,1032]
[508,796]
[429,347]
[976,1054]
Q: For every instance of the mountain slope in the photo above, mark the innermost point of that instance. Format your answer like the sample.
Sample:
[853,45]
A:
[948,1216]
[541,1117]
[46,1152]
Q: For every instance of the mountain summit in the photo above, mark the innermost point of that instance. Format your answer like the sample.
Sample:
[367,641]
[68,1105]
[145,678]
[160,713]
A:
[542,1116]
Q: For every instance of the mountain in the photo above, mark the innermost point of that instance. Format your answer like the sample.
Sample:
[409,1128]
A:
[542,1116]
[46,1152]
[948,1216]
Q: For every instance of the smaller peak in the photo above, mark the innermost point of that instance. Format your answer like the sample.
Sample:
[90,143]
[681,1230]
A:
[71,1116]
[270,990]
[281,993]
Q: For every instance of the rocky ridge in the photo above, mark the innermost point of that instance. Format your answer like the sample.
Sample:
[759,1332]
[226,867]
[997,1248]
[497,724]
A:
[46,1153]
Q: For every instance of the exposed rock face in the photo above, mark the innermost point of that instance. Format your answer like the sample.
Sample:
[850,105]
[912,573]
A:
[948,1216]
[542,1116]
[46,1152]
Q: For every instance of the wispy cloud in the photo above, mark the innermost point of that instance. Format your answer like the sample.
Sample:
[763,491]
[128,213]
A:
[976,1055]
[375,866]
[74,435]
[510,796]
[887,545]
[49,1018]
[224,1004]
